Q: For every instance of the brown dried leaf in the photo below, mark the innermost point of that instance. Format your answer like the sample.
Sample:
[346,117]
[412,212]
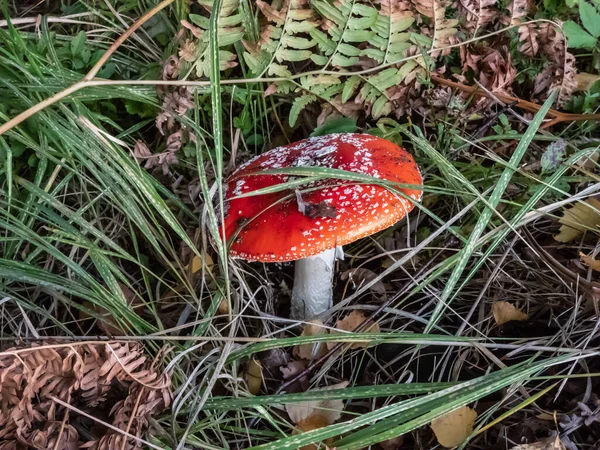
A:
[551,443]
[478,13]
[314,327]
[453,428]
[187,52]
[277,16]
[567,84]
[585,80]
[350,323]
[528,37]
[517,11]
[313,423]
[170,69]
[578,219]
[590,261]
[361,276]
[505,312]
[196,31]
[497,72]
[293,369]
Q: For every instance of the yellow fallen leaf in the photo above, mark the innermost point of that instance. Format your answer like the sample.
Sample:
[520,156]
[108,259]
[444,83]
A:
[309,424]
[590,261]
[551,443]
[453,428]
[309,351]
[588,162]
[350,323]
[254,376]
[198,263]
[505,312]
[581,217]
[585,80]
[223,307]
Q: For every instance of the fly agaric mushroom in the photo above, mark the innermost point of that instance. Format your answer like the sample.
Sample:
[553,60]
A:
[308,226]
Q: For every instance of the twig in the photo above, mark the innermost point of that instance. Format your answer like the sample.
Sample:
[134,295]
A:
[557,116]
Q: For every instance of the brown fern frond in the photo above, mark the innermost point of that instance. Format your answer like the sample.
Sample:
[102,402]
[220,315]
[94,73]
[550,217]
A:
[478,13]
[75,374]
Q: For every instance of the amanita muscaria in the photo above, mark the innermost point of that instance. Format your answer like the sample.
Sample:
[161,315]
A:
[308,222]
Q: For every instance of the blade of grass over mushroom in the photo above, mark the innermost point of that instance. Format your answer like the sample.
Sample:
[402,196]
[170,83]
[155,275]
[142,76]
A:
[413,413]
[340,174]
[465,254]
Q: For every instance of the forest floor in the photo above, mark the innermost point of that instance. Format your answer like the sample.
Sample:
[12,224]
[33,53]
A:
[125,323]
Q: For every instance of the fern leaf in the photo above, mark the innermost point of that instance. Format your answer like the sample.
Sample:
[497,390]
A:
[391,40]
[280,38]
[381,107]
[299,104]
[350,87]
[444,29]
[478,13]
[231,31]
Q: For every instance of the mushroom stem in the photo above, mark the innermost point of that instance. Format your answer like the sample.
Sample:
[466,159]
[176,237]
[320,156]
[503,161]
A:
[313,285]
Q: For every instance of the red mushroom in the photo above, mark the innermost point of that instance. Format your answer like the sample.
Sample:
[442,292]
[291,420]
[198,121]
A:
[309,225]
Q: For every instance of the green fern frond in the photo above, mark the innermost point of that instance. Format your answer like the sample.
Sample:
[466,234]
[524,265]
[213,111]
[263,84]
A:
[231,31]
[282,39]
[299,104]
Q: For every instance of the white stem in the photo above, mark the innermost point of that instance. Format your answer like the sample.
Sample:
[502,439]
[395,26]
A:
[313,290]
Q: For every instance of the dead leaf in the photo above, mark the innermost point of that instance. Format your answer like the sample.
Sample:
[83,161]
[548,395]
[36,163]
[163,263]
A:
[317,412]
[309,351]
[453,428]
[86,375]
[588,162]
[590,261]
[223,307]
[313,423]
[254,376]
[290,371]
[551,443]
[350,323]
[505,312]
[585,80]
[198,263]
[362,276]
[578,219]
[392,444]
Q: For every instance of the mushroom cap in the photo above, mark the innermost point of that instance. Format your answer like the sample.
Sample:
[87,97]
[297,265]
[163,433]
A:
[270,227]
